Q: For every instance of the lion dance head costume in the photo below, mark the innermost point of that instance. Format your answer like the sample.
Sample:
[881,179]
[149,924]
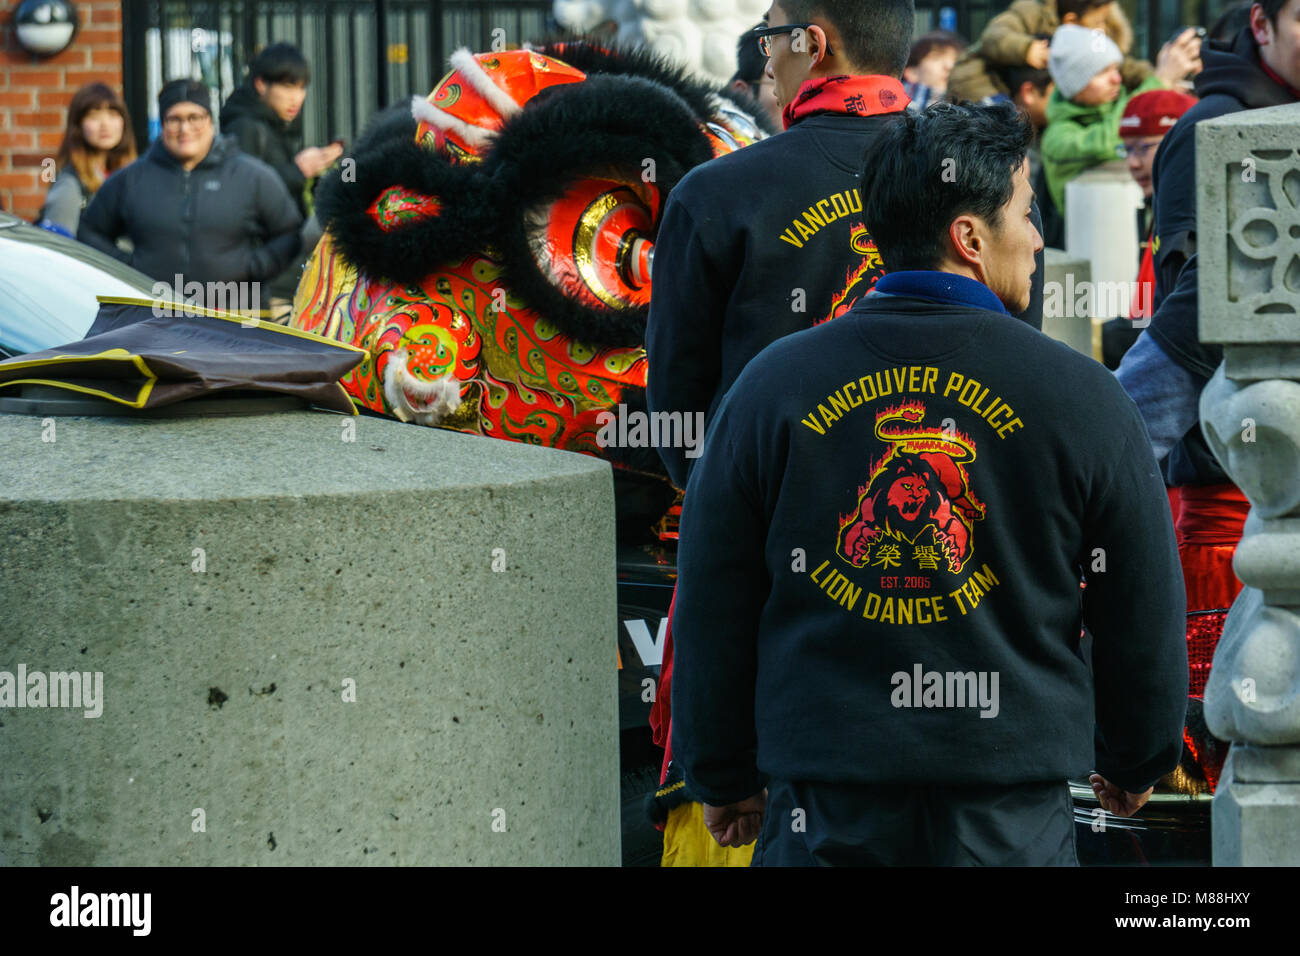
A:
[491,246]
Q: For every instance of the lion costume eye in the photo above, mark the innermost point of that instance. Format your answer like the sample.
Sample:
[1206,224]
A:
[593,242]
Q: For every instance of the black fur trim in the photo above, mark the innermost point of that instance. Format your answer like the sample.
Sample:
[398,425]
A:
[392,122]
[594,57]
[565,134]
[408,253]
[613,59]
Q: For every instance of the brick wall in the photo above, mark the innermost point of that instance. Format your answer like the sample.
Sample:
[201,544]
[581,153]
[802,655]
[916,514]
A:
[34,95]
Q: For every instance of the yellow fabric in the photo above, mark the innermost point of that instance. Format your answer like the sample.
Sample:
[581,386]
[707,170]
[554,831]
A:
[688,843]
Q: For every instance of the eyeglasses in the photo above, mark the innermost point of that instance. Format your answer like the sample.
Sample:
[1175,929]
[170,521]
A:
[764,36]
[195,120]
[1139,149]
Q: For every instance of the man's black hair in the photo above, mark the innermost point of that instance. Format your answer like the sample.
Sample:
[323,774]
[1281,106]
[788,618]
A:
[929,167]
[927,43]
[876,34]
[750,62]
[1077,7]
[1016,76]
[280,63]
[1230,22]
[1271,10]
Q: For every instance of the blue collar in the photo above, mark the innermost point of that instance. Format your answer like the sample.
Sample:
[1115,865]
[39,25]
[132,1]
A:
[941,287]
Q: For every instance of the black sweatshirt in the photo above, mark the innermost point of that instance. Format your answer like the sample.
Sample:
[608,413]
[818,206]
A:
[811,588]
[1232,80]
[261,133]
[753,246]
[228,219]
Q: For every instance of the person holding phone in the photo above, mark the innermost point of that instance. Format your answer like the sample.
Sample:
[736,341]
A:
[265,117]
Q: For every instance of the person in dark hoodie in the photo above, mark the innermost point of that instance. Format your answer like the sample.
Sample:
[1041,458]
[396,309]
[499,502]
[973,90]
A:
[194,206]
[770,240]
[265,118]
[1167,368]
[878,621]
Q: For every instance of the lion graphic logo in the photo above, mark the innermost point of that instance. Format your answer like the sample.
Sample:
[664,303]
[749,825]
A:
[861,278]
[919,485]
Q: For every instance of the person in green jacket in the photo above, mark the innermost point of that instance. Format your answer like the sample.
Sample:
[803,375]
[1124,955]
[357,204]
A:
[1019,37]
[1084,111]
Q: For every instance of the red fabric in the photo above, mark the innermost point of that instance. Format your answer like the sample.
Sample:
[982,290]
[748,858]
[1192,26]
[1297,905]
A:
[661,711]
[851,95]
[1154,112]
[1209,526]
[1295,94]
[1175,505]
[1146,284]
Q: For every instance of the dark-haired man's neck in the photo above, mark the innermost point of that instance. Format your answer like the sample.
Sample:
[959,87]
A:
[940,285]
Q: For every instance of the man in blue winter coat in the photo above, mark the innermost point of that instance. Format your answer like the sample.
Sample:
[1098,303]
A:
[194,206]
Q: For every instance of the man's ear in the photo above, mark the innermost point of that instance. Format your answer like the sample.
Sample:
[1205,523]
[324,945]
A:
[965,240]
[815,38]
[259,85]
[909,74]
[1260,26]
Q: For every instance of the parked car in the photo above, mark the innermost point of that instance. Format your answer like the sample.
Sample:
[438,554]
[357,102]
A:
[48,285]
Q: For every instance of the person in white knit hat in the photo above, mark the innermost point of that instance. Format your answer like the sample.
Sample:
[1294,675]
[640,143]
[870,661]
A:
[1084,111]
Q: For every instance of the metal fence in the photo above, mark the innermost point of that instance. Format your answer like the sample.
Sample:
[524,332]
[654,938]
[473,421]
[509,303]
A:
[364,55]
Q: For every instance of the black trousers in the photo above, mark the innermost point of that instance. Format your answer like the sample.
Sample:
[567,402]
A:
[821,824]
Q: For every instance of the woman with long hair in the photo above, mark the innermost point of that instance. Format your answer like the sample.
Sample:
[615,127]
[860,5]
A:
[98,141]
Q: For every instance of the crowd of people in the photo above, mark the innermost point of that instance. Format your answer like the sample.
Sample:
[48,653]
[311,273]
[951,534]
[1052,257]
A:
[909,492]
[199,205]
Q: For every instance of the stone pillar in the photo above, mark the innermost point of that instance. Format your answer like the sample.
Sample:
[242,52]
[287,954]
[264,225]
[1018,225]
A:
[1248,227]
[303,639]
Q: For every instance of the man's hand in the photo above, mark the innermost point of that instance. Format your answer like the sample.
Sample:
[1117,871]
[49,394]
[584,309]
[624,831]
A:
[1036,55]
[1178,59]
[314,160]
[736,824]
[1117,801]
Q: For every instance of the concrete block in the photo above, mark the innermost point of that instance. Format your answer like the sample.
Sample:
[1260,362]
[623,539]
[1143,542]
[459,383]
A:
[1254,823]
[1248,226]
[1064,278]
[389,650]
[1101,226]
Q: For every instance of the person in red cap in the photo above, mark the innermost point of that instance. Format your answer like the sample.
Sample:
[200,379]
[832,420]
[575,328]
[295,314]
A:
[1145,121]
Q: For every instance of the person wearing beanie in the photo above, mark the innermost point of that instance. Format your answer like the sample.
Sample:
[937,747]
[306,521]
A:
[194,206]
[1019,37]
[1083,113]
[1146,120]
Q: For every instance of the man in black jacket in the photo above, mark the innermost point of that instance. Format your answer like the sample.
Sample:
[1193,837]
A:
[1168,367]
[195,206]
[265,117]
[770,240]
[878,612]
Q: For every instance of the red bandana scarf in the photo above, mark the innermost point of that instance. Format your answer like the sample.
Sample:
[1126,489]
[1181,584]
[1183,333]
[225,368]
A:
[854,95]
